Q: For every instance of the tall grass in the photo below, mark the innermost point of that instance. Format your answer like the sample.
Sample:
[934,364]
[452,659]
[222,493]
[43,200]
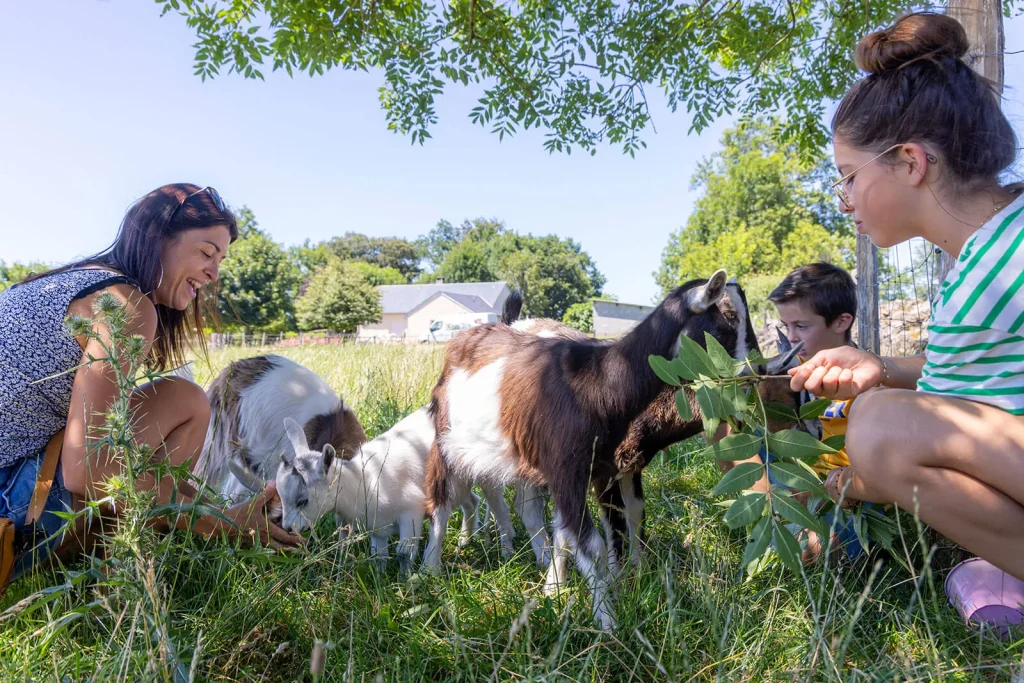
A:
[215,611]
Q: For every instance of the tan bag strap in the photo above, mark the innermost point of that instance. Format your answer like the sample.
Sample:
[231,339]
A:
[47,471]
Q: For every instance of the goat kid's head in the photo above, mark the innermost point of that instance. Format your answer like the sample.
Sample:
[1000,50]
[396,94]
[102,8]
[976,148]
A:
[303,480]
[718,306]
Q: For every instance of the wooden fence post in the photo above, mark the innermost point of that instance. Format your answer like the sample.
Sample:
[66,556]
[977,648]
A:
[868,336]
[983,21]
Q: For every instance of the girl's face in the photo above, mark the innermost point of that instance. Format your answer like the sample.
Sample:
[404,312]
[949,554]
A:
[884,196]
[190,262]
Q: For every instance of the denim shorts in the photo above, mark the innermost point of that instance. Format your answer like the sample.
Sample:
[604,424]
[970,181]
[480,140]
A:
[17,483]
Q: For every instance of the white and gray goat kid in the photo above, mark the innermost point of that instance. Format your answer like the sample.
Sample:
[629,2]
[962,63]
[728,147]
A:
[378,489]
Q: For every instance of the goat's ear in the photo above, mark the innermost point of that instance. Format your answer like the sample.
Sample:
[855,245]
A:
[785,361]
[329,453]
[783,344]
[709,294]
[296,435]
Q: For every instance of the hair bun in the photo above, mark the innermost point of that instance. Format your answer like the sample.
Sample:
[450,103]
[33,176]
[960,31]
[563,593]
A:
[916,36]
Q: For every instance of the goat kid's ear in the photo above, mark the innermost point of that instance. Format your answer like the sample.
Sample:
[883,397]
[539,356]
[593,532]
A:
[329,454]
[709,294]
[296,435]
[785,362]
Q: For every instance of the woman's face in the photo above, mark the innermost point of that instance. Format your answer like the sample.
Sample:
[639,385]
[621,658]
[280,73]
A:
[189,262]
[884,196]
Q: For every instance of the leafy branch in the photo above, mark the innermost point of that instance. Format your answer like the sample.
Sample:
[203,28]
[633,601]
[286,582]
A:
[729,391]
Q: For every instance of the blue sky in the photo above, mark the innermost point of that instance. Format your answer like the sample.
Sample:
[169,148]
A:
[99,106]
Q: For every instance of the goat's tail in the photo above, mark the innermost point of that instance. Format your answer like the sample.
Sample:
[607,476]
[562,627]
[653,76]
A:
[512,308]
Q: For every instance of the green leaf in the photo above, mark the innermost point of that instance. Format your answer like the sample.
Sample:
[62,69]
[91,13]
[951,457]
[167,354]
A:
[794,512]
[710,426]
[665,370]
[720,358]
[736,447]
[711,402]
[796,477]
[786,546]
[683,405]
[739,478]
[746,510]
[816,408]
[760,538]
[735,398]
[693,361]
[779,412]
[837,442]
[792,443]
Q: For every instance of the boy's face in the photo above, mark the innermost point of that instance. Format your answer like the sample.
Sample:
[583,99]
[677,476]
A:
[803,324]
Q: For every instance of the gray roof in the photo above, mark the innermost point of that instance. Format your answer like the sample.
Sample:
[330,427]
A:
[478,297]
[471,302]
[618,309]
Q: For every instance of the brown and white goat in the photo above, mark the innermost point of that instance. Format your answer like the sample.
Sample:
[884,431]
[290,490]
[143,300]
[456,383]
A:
[658,427]
[249,401]
[510,407]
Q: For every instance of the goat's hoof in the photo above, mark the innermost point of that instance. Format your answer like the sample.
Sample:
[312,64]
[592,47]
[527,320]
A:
[464,541]
[606,619]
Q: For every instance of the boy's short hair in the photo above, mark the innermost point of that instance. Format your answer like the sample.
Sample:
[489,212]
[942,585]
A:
[828,290]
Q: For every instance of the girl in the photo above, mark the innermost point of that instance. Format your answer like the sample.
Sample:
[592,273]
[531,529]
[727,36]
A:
[920,144]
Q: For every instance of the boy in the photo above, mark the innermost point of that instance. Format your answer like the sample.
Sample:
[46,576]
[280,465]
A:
[817,303]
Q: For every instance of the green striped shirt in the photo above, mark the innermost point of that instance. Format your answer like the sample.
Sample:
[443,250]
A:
[975,340]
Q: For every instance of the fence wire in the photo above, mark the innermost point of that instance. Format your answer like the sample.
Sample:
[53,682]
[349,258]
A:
[908,282]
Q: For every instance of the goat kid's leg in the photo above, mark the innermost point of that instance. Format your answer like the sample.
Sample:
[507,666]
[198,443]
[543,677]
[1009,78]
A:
[530,503]
[585,542]
[612,519]
[502,517]
[469,511]
[410,528]
[558,570]
[379,547]
[633,500]
[438,529]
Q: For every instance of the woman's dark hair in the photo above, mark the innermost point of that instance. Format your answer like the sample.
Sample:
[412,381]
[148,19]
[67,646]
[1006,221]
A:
[919,89]
[150,223]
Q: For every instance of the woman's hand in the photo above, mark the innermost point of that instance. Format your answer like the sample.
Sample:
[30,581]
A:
[251,518]
[839,373]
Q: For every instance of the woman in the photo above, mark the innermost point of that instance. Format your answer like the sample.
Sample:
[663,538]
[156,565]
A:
[920,144]
[170,245]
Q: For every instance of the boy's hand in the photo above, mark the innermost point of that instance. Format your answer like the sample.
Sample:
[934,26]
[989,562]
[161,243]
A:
[839,373]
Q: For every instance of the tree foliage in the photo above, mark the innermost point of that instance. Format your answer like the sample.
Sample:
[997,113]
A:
[384,252]
[14,273]
[580,316]
[764,210]
[257,280]
[552,273]
[578,70]
[338,297]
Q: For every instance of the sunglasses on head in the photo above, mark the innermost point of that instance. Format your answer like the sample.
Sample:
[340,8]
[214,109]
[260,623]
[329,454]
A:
[214,195]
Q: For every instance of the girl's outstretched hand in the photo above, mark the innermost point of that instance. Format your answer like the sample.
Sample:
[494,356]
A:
[839,373]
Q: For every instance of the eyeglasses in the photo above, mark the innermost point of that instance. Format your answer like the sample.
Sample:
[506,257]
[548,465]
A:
[841,192]
[214,195]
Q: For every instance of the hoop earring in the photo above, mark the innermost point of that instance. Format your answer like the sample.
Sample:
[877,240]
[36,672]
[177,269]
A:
[161,280]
